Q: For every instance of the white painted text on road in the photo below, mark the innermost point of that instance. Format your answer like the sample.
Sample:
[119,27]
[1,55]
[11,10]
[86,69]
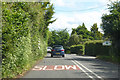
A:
[56,67]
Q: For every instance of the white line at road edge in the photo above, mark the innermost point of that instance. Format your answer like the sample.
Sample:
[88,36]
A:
[82,70]
[89,70]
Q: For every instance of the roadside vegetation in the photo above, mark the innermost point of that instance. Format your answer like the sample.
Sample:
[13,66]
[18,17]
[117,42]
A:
[84,42]
[24,35]
[111,27]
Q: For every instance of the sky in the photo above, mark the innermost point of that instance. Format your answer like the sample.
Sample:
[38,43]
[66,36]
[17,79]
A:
[72,13]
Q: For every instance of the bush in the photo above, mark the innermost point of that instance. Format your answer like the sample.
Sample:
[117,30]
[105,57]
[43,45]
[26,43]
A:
[77,49]
[22,37]
[95,47]
[67,50]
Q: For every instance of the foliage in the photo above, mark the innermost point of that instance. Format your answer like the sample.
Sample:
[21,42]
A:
[95,47]
[67,50]
[111,25]
[60,37]
[48,14]
[74,40]
[49,11]
[77,49]
[95,33]
[23,29]
[82,30]
[73,31]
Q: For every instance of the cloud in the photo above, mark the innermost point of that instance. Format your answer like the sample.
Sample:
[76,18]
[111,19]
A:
[106,1]
[62,22]
[58,2]
[89,18]
[63,3]
[65,21]
[71,20]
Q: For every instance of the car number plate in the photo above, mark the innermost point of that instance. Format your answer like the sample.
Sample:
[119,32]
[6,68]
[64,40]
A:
[57,53]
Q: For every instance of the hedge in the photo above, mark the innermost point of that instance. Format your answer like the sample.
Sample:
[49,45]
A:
[78,49]
[67,50]
[23,42]
[95,47]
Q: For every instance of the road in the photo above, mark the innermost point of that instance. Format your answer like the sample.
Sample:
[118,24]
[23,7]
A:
[73,66]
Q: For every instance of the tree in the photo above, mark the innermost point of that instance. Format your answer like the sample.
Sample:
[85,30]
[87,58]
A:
[48,15]
[73,31]
[82,30]
[111,25]
[95,33]
[60,37]
[94,28]
[74,40]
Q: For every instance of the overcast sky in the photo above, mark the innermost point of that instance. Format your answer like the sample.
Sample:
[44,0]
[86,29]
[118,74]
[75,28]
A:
[72,13]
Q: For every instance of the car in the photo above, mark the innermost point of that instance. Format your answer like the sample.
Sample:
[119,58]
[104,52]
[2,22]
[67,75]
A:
[58,50]
[49,49]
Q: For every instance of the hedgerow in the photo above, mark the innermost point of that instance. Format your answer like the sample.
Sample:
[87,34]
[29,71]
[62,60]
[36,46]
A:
[95,48]
[77,49]
[24,36]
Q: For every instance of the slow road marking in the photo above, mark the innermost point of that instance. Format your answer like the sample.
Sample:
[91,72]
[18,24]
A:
[56,67]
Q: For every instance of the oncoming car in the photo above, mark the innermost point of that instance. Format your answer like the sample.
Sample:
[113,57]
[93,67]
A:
[58,50]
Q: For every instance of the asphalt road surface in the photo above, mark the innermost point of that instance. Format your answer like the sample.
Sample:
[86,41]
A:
[73,66]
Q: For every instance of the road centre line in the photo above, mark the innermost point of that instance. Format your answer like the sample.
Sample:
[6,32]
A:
[76,62]
[83,70]
[88,70]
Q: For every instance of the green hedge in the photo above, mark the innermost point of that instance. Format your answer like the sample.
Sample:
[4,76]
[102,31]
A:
[92,48]
[95,47]
[77,49]
[23,28]
[67,50]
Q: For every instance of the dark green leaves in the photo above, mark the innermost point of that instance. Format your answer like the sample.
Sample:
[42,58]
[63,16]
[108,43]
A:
[111,25]
[23,29]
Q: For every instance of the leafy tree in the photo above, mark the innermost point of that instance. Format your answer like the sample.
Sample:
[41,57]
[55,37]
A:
[82,30]
[80,37]
[48,15]
[73,31]
[111,25]
[95,33]
[94,28]
[60,37]
[74,40]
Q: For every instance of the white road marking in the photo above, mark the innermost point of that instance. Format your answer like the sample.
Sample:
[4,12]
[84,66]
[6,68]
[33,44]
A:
[82,70]
[56,67]
[88,70]
[73,67]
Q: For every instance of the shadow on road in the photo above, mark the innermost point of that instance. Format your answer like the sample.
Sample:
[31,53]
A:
[100,67]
